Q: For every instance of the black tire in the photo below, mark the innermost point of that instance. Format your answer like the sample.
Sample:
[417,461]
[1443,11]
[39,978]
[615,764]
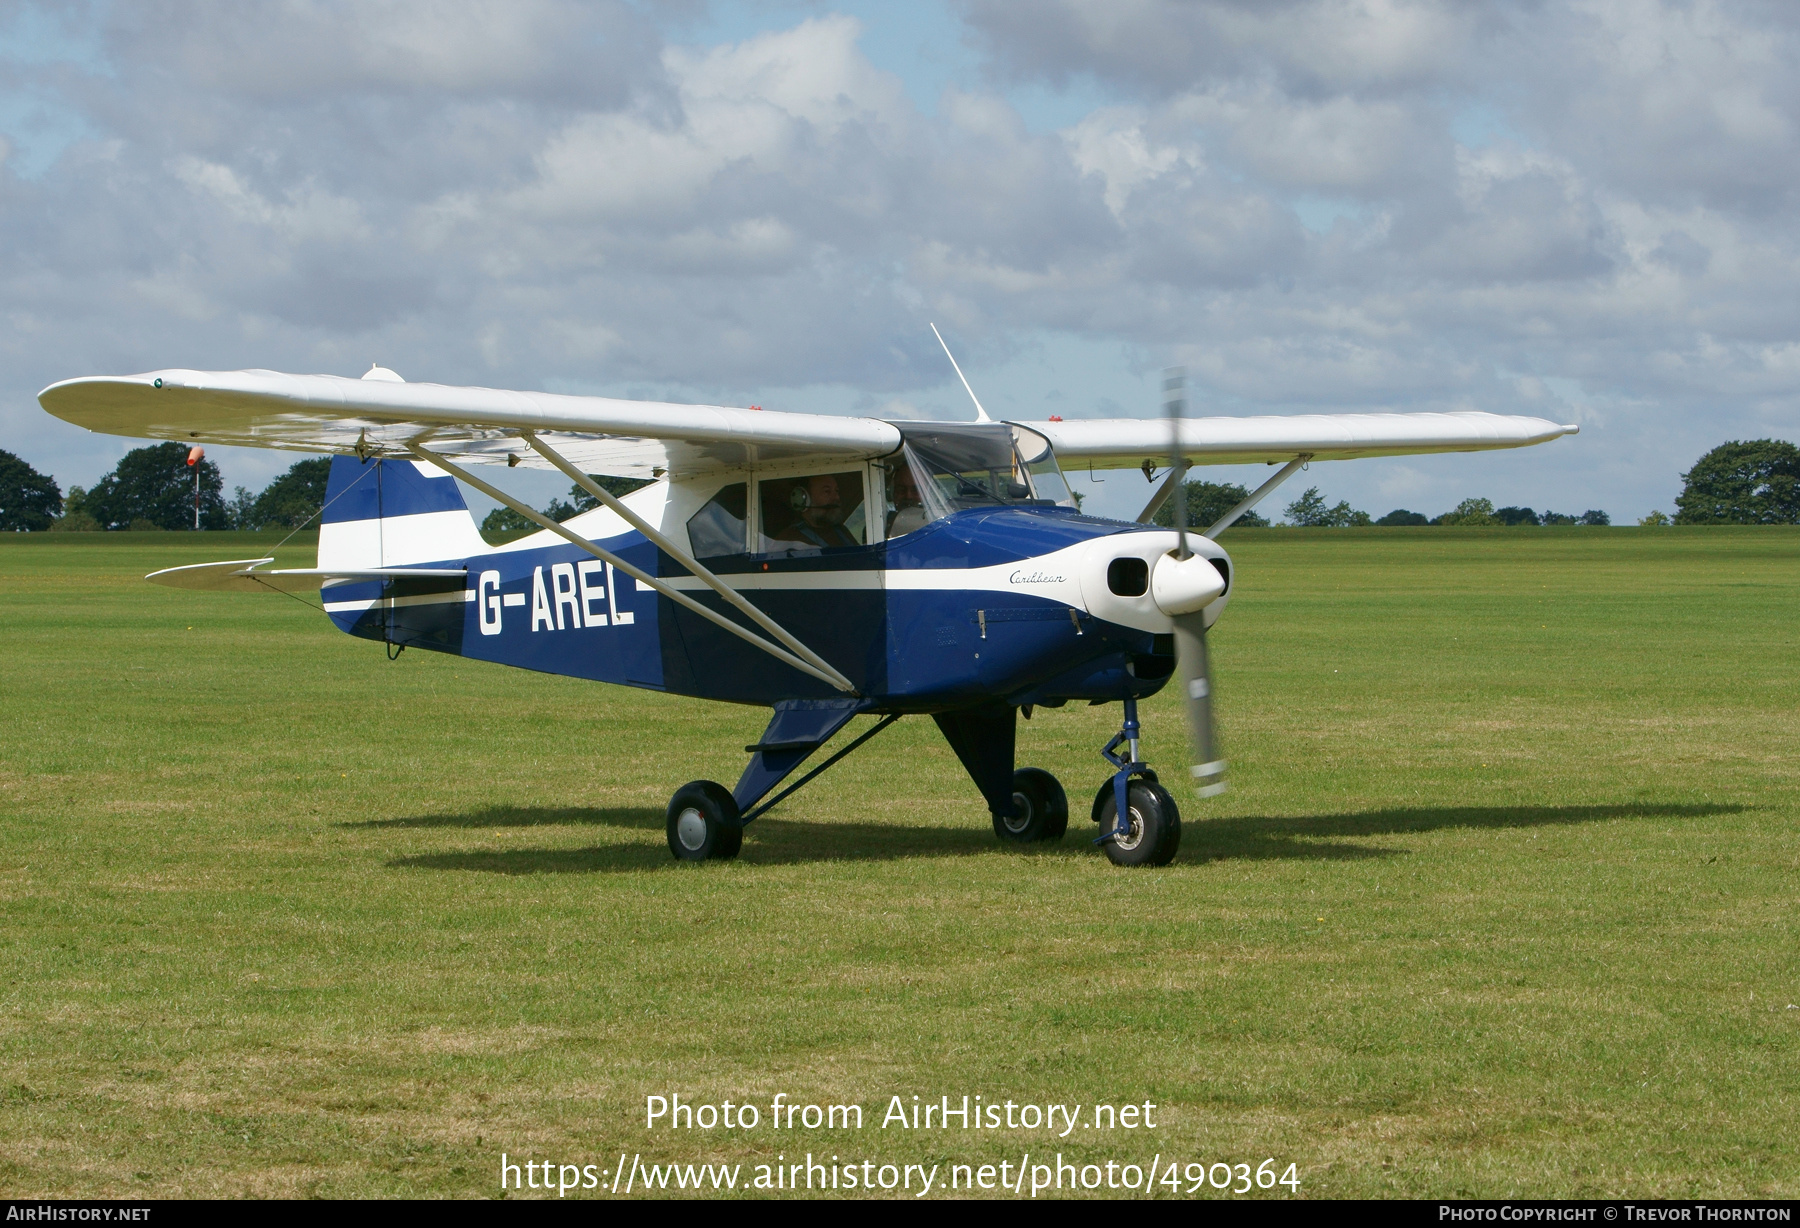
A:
[1155,826]
[1042,809]
[1104,794]
[703,823]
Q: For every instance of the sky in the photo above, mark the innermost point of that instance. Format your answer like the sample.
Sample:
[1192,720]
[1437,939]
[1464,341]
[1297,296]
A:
[1579,211]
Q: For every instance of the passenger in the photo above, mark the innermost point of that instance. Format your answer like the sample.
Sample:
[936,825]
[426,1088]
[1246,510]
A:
[821,521]
[908,508]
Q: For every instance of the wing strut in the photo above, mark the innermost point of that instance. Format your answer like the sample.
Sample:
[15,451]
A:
[827,674]
[1164,491]
[668,547]
[1230,518]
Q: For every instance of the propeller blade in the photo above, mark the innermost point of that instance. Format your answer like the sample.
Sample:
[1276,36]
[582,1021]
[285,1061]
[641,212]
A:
[1175,404]
[1196,689]
[1190,628]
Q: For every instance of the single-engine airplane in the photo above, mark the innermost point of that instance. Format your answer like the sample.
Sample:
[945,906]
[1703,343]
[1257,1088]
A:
[824,567]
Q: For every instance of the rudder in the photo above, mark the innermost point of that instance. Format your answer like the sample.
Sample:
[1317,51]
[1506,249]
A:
[393,513]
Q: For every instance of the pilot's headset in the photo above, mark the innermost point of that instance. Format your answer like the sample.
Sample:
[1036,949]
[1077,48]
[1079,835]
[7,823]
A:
[799,498]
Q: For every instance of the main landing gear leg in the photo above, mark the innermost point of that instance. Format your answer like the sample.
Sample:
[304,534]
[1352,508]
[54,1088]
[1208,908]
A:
[1028,805]
[1140,824]
[706,820]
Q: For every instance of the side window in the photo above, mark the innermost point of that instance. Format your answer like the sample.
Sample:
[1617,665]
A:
[906,509]
[815,512]
[718,528]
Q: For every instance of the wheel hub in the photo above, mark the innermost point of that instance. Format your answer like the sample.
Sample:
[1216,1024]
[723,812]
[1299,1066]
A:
[1130,839]
[1021,817]
[690,829]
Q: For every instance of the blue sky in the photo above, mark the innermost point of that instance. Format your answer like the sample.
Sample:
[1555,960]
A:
[1315,207]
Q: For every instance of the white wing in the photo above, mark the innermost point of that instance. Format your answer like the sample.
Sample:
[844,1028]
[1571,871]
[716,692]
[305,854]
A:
[328,413]
[1119,443]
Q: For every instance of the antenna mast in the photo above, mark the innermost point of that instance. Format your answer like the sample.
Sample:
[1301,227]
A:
[980,413]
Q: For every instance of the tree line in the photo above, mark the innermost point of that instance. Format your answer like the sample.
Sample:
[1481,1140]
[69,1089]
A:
[155,488]
[1208,501]
[1739,482]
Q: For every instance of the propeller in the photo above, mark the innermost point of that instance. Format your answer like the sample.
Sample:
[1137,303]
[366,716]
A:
[1183,586]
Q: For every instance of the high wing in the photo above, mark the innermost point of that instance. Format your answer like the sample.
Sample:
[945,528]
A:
[383,416]
[380,417]
[1121,443]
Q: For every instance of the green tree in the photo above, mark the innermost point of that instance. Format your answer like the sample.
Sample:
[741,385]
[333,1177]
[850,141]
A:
[293,498]
[1206,502]
[1309,511]
[1655,520]
[1596,517]
[75,517]
[1743,482]
[1470,512]
[580,501]
[1400,517]
[1516,516]
[157,484]
[240,507]
[29,500]
[505,520]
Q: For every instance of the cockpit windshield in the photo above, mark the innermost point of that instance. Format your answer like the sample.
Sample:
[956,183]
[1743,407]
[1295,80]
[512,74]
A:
[947,467]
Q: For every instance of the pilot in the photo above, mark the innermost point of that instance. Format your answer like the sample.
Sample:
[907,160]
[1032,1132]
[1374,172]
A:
[821,514]
[908,511]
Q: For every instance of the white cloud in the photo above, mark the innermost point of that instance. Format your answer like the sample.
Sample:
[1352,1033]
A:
[549,193]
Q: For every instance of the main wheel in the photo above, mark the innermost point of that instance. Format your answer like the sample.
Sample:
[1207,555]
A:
[1041,809]
[704,823]
[1155,825]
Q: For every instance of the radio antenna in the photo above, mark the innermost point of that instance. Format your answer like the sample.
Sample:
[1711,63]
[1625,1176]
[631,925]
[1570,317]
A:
[980,413]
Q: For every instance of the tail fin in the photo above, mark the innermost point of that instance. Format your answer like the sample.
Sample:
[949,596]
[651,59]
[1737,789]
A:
[392,513]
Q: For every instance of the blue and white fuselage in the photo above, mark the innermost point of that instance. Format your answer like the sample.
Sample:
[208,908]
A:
[1007,603]
[994,608]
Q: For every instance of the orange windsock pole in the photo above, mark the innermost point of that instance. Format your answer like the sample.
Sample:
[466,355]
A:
[196,454]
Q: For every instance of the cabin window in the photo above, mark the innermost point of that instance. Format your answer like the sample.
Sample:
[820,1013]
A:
[817,511]
[718,528]
[912,500]
[1039,460]
[967,465]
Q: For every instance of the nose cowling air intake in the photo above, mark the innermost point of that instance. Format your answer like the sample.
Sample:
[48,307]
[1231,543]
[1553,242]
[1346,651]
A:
[1184,586]
[1135,580]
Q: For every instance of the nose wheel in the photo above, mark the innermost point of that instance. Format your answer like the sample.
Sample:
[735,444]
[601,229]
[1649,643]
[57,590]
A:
[1151,832]
[1140,825]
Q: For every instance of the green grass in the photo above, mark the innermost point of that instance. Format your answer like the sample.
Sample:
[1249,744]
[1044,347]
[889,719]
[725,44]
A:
[1502,901]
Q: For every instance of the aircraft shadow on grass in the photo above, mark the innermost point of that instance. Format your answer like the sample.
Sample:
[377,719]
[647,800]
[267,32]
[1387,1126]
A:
[778,841]
[1299,836]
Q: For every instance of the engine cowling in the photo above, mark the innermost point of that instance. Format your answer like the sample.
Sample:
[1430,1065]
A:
[1133,579]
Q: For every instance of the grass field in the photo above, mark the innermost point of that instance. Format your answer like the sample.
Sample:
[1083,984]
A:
[1502,901]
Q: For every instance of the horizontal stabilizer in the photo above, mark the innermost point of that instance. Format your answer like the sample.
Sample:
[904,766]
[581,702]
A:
[245,576]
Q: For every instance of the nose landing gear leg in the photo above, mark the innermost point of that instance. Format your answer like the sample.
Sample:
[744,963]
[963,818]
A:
[1139,822]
